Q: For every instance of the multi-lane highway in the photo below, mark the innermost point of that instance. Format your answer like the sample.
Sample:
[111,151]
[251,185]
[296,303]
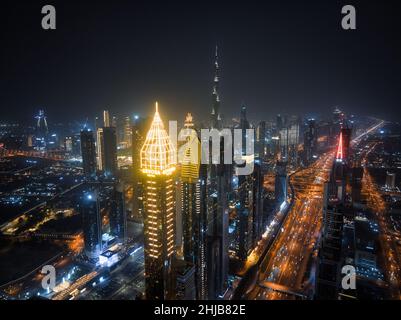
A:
[281,273]
[287,271]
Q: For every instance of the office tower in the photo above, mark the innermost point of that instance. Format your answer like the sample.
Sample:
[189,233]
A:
[92,223]
[329,266]
[113,122]
[345,136]
[193,217]
[218,187]
[99,148]
[258,191]
[185,289]
[107,147]
[340,169]
[217,237]
[97,123]
[337,115]
[260,150]
[356,183]
[366,248]
[68,144]
[118,213]
[245,199]
[310,141]
[158,160]
[127,131]
[41,131]
[190,189]
[390,180]
[245,216]
[106,119]
[340,166]
[279,122]
[202,225]
[284,143]
[334,209]
[138,138]
[76,145]
[281,179]
[178,217]
[88,152]
[289,140]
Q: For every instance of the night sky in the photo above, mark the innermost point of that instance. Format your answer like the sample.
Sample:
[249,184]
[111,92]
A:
[275,56]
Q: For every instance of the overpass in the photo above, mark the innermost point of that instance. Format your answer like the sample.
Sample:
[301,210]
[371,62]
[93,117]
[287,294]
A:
[282,289]
[56,155]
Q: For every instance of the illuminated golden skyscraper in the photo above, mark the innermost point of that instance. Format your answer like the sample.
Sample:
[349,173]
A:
[193,221]
[158,161]
[190,153]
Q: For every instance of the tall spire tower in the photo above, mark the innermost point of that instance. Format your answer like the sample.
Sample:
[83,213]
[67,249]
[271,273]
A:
[42,131]
[215,115]
[216,207]
[158,165]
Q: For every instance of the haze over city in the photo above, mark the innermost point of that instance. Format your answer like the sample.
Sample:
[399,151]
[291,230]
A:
[280,181]
[291,56]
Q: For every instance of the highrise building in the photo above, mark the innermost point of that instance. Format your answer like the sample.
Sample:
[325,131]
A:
[99,148]
[107,147]
[390,180]
[245,199]
[158,161]
[76,145]
[88,152]
[92,223]
[118,213]
[289,140]
[113,122]
[338,115]
[281,180]
[127,131]
[201,282]
[41,131]
[310,141]
[329,267]
[138,138]
[356,183]
[345,136]
[340,166]
[328,271]
[279,122]
[190,189]
[258,192]
[193,219]
[217,189]
[97,124]
[185,281]
[245,216]
[68,144]
[260,150]
[106,119]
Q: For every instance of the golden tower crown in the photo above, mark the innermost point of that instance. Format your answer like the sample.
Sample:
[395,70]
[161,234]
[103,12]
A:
[158,155]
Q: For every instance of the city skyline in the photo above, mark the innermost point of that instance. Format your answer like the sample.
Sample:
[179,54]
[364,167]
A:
[217,155]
